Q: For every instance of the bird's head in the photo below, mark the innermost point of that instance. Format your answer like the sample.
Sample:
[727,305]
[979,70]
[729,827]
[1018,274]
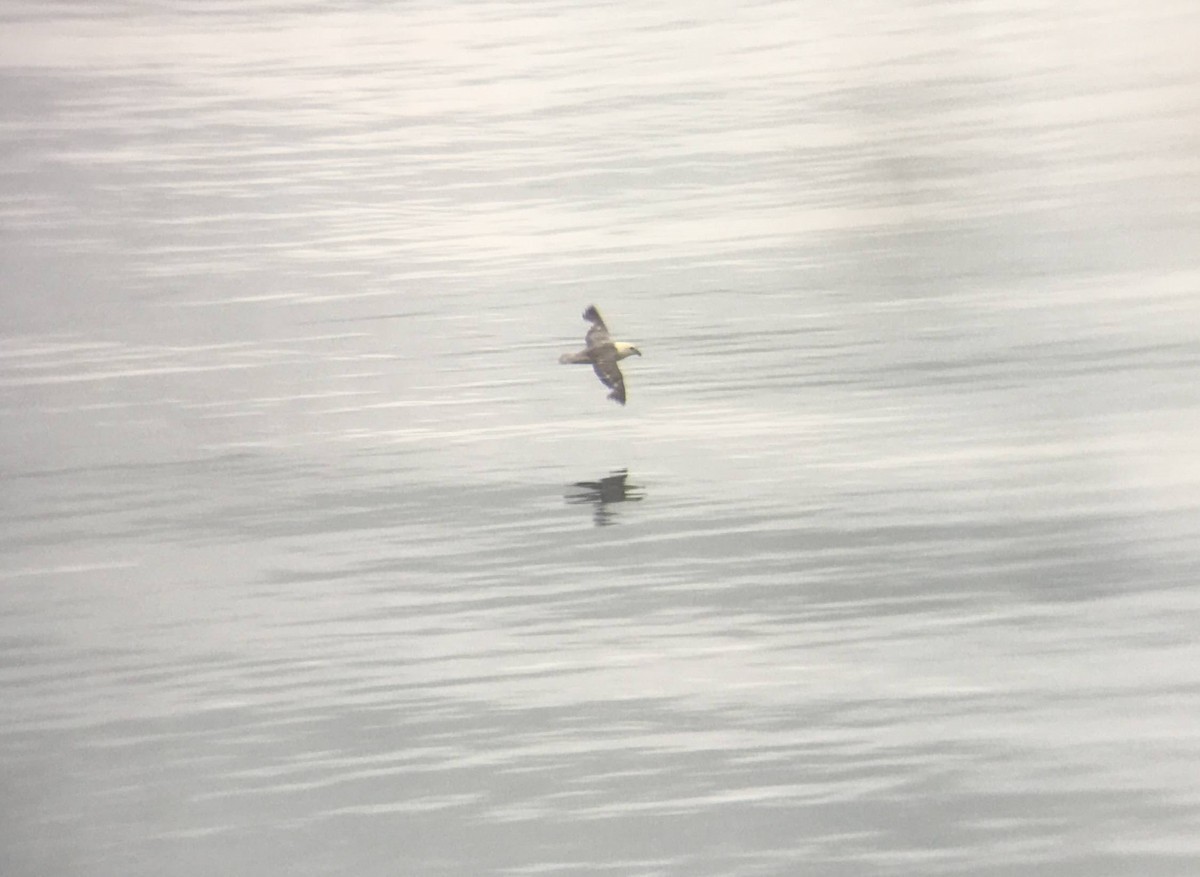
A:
[624,350]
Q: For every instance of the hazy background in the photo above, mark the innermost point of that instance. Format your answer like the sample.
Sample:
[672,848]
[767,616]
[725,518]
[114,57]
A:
[317,562]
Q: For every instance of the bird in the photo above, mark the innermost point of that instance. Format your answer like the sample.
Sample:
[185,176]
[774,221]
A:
[602,353]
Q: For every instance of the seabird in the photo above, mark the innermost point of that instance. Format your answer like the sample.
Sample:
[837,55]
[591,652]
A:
[602,354]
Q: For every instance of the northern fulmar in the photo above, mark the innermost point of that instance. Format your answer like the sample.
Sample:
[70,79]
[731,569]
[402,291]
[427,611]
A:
[602,353]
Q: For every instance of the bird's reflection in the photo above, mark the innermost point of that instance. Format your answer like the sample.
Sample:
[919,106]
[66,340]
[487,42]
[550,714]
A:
[604,494]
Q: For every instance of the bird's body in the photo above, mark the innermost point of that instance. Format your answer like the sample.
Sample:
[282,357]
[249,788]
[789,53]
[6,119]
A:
[602,353]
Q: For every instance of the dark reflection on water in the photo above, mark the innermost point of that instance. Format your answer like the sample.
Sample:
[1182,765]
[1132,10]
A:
[604,494]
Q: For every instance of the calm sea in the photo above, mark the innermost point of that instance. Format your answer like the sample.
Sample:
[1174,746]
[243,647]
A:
[316,562]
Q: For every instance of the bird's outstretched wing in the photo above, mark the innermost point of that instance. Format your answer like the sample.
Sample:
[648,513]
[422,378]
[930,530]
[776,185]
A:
[602,353]
[606,370]
[597,336]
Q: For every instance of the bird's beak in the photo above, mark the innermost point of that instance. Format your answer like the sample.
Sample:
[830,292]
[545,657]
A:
[638,352]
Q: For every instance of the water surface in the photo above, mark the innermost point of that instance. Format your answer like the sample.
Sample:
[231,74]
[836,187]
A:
[318,563]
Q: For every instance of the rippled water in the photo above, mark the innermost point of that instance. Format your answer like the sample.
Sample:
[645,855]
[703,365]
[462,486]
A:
[317,562]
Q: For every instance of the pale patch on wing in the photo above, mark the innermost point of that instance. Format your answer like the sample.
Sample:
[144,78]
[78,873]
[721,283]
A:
[610,375]
[598,334]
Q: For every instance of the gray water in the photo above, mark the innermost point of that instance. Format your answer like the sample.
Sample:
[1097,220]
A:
[317,562]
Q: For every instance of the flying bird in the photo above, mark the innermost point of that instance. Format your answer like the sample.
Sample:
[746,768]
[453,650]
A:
[602,353]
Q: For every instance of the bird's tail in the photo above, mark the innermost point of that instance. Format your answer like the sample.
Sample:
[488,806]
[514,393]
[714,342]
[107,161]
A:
[574,358]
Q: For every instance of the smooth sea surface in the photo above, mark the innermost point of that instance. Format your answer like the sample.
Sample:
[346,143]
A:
[316,562]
